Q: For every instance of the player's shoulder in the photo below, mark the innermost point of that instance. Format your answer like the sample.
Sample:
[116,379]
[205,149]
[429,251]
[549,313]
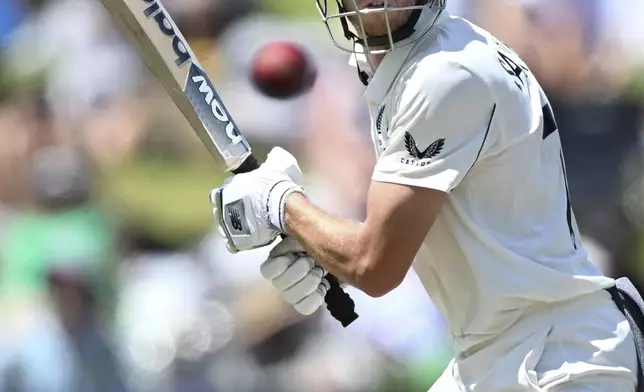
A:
[458,45]
[454,61]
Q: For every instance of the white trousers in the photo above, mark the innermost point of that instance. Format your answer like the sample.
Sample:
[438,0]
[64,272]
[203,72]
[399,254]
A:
[582,345]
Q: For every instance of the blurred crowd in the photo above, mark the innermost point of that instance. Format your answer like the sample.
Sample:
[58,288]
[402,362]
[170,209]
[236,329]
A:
[110,276]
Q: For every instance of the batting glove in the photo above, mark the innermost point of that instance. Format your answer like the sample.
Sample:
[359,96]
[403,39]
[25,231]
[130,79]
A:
[249,207]
[292,271]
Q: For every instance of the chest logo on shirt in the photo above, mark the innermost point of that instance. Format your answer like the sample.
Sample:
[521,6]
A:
[381,114]
[378,136]
[422,157]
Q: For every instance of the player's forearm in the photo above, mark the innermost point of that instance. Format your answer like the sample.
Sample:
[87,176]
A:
[341,246]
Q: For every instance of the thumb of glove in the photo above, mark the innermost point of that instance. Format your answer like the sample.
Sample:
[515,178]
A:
[281,160]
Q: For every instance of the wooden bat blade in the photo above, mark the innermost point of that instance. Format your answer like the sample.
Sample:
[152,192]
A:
[152,32]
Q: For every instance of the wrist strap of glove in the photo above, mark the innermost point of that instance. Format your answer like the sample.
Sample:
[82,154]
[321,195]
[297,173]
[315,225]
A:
[276,203]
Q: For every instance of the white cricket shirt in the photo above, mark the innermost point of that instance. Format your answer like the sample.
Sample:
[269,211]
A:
[459,112]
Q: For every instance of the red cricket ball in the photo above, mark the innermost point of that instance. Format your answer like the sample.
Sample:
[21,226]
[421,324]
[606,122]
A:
[282,70]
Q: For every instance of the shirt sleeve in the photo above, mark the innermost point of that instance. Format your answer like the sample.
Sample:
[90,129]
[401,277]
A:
[439,127]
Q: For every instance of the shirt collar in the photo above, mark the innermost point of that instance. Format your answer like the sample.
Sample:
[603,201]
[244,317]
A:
[387,71]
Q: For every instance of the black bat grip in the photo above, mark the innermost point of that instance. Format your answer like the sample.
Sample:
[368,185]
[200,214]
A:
[338,302]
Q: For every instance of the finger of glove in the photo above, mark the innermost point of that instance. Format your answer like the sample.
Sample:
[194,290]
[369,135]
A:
[303,288]
[294,273]
[276,266]
[286,246]
[227,181]
[213,198]
[221,232]
[230,248]
[310,304]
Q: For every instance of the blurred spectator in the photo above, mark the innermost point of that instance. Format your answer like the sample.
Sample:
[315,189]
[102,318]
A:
[11,14]
[21,121]
[168,322]
[55,278]
[208,18]
[623,20]
[75,52]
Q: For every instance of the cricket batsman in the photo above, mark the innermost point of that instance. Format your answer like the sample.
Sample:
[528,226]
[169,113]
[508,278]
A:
[470,190]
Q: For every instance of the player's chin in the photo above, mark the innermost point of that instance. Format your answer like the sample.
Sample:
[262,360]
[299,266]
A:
[376,24]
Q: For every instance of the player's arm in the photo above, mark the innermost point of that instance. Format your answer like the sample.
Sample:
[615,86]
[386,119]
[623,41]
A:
[444,101]
[373,256]
[438,131]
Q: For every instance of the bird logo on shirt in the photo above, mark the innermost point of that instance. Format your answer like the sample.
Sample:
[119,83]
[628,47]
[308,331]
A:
[431,151]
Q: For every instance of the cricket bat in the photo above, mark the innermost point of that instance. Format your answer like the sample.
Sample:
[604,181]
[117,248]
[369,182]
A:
[150,29]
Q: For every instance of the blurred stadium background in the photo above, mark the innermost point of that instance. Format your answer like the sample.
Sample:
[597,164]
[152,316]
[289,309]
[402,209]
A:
[110,277]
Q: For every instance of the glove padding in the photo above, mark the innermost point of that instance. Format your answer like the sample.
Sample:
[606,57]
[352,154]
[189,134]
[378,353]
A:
[295,274]
[249,207]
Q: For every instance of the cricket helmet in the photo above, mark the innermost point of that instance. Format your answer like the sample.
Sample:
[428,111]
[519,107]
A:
[355,39]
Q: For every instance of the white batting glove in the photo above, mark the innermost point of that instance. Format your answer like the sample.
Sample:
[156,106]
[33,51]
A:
[249,207]
[292,271]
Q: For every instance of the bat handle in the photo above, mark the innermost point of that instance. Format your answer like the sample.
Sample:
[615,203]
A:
[338,302]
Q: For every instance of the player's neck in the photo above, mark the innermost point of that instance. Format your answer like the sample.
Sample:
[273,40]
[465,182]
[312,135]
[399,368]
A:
[375,60]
